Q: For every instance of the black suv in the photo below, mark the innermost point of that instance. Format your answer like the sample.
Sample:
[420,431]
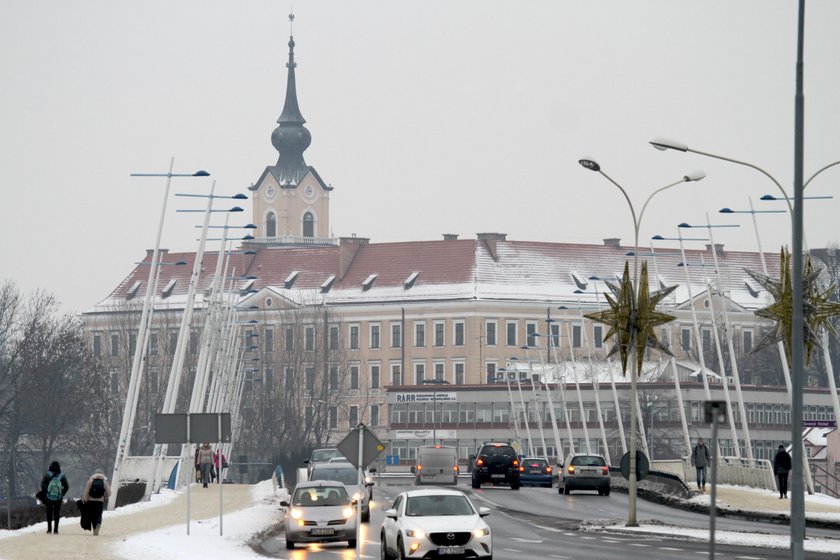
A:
[496,463]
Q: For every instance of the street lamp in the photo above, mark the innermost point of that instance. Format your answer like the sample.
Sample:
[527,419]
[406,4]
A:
[434,383]
[592,165]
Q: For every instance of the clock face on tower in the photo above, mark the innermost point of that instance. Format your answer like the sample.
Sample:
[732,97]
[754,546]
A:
[270,191]
[309,193]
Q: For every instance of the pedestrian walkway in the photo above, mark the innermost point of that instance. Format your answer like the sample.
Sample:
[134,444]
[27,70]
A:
[765,501]
[74,543]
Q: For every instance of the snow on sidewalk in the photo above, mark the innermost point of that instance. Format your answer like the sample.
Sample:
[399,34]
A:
[157,529]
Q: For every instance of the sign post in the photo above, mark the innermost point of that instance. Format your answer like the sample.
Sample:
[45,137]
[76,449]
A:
[361,447]
[715,413]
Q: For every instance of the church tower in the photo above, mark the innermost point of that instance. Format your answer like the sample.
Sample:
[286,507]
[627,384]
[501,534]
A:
[291,203]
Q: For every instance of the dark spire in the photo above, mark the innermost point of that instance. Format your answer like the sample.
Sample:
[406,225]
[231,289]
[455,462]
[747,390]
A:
[290,138]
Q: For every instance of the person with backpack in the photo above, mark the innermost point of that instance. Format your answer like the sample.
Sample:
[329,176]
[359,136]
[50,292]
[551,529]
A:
[54,485]
[781,468]
[97,491]
[700,460]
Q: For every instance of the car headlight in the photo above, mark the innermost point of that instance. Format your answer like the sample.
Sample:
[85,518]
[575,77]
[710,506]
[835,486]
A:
[481,532]
[296,514]
[348,512]
[416,533]
[357,495]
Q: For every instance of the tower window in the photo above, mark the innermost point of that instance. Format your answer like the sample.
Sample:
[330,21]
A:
[308,225]
[271,225]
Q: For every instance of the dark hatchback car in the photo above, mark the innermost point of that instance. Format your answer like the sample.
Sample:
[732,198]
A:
[496,463]
[536,472]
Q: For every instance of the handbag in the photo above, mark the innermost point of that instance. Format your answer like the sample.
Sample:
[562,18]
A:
[224,464]
[41,496]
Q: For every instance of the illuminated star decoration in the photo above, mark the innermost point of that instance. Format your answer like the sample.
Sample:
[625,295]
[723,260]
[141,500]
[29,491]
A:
[633,325]
[817,308]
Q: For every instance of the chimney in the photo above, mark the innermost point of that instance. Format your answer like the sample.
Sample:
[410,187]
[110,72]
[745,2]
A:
[450,236]
[718,248]
[614,242]
[490,241]
[347,249]
[161,253]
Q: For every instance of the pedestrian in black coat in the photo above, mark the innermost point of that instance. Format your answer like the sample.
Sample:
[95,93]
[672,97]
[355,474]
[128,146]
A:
[53,499]
[781,468]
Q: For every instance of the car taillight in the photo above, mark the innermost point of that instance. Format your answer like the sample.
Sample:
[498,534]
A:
[515,463]
[479,461]
[419,467]
[521,469]
[571,469]
[548,470]
[456,468]
[605,470]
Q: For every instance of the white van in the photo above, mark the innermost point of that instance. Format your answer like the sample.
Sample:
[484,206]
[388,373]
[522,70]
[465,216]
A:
[436,464]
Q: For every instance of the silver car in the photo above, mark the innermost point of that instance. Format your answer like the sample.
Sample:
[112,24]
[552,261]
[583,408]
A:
[584,471]
[320,512]
[347,475]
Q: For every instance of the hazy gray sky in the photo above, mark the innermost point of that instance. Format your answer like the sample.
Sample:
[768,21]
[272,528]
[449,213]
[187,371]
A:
[426,118]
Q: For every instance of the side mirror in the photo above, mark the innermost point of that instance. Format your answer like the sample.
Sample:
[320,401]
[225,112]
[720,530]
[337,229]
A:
[284,503]
[369,484]
[483,511]
[306,461]
[391,513]
[372,471]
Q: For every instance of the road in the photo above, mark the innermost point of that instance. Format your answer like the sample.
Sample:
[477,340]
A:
[540,523]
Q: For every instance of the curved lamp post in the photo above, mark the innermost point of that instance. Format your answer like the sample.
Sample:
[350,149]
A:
[593,165]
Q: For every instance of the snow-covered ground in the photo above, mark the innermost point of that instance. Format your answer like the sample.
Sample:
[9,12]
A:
[818,507]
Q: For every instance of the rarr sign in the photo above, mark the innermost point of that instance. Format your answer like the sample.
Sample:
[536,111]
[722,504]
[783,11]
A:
[423,397]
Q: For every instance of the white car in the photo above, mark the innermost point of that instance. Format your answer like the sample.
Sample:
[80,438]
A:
[437,522]
[347,474]
[320,512]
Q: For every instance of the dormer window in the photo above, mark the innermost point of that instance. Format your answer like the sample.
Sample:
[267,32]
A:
[132,291]
[580,281]
[327,284]
[368,283]
[290,279]
[167,290]
[409,282]
[752,288]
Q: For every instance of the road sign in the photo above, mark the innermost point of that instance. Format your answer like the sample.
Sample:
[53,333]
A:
[172,428]
[642,465]
[371,446]
[517,447]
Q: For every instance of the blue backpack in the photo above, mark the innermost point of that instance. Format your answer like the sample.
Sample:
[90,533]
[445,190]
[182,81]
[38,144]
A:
[55,489]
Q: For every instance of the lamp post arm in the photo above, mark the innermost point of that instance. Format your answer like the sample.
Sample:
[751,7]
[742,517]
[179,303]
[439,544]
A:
[629,203]
[654,193]
[757,168]
[830,165]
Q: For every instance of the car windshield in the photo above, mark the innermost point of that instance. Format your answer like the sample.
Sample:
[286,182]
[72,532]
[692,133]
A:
[321,496]
[493,451]
[589,461]
[440,504]
[323,455]
[343,475]
[535,463]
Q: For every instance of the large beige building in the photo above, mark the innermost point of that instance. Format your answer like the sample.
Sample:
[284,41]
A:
[452,309]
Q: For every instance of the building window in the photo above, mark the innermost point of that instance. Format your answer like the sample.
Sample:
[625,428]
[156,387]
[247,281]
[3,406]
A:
[490,371]
[490,333]
[374,335]
[308,225]
[685,339]
[598,336]
[374,376]
[132,343]
[173,341]
[420,335]
[354,337]
[419,373]
[154,344]
[289,336]
[748,342]
[271,225]
[115,345]
[374,415]
[97,345]
[396,375]
[554,329]
[333,337]
[354,377]
[440,371]
[458,339]
[396,335]
[268,340]
[531,334]
[459,373]
[510,329]
[333,379]
[332,414]
[309,377]
[353,417]
[439,330]
[309,338]
[576,338]
[707,340]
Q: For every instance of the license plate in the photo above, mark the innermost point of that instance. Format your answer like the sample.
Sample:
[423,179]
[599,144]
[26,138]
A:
[322,532]
[535,471]
[447,550]
[497,476]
